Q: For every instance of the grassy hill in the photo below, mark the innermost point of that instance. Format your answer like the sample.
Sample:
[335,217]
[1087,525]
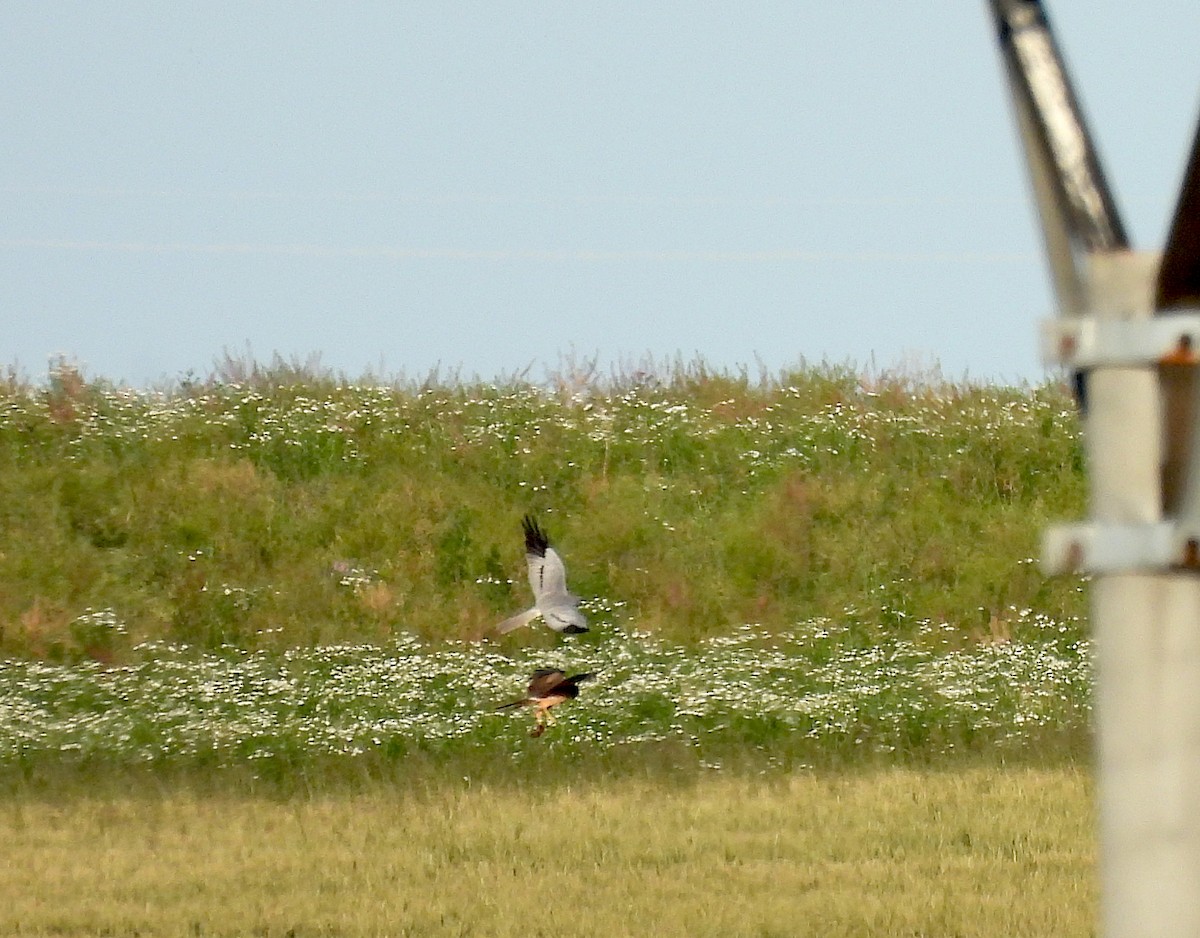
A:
[825,656]
[273,507]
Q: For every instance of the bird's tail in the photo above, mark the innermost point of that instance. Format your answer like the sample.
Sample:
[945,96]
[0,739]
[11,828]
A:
[515,622]
[514,703]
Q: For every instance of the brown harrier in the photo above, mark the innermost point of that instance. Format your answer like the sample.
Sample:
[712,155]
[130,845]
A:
[548,688]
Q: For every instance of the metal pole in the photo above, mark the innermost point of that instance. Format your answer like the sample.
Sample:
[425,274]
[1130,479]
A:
[1146,623]
[1142,540]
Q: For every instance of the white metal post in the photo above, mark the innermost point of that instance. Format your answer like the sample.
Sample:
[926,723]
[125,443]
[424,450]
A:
[1146,622]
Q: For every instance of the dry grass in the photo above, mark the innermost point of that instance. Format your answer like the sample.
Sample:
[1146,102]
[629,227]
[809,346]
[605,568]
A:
[890,852]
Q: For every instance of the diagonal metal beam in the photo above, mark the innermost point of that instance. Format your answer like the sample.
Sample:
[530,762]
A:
[1179,275]
[1178,286]
[1077,209]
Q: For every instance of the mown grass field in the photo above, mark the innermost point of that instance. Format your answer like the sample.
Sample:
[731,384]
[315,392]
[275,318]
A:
[249,673]
[890,851]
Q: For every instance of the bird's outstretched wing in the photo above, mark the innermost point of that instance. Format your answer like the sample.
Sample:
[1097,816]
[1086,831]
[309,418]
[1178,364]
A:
[576,679]
[547,575]
[545,681]
[536,541]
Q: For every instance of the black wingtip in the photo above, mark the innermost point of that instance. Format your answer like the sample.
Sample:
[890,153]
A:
[575,629]
[536,541]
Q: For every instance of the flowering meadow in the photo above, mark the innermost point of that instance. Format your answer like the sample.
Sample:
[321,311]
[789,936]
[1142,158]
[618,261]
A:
[273,563]
[805,689]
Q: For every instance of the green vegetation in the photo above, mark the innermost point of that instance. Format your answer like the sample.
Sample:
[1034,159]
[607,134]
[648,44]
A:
[248,671]
[278,569]
[895,851]
[275,508]
[771,701]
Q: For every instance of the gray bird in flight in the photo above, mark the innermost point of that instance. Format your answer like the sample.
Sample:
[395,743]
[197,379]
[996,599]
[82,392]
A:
[548,577]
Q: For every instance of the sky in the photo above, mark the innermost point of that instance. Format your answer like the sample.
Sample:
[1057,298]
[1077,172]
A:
[488,189]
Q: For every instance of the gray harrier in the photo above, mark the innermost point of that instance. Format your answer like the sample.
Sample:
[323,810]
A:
[558,608]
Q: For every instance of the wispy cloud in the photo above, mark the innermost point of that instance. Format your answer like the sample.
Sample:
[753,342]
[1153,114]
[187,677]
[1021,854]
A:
[500,255]
[450,198]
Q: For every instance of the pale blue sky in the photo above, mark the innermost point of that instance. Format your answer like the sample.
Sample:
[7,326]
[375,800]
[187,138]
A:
[487,186]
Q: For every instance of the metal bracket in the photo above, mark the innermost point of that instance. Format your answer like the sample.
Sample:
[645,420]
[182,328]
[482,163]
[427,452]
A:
[1079,342]
[1120,548]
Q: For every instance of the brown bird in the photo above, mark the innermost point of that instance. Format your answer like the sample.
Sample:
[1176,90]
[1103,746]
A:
[548,688]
